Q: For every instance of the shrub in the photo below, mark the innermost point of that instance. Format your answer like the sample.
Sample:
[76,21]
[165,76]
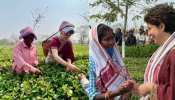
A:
[140,51]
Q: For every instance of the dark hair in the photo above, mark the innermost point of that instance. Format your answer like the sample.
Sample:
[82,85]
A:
[118,30]
[31,34]
[162,13]
[102,30]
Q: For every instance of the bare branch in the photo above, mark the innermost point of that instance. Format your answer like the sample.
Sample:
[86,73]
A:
[37,15]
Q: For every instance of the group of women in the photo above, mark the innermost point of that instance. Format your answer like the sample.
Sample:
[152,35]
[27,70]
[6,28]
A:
[108,76]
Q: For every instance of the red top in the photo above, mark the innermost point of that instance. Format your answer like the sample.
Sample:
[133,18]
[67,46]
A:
[166,78]
[66,51]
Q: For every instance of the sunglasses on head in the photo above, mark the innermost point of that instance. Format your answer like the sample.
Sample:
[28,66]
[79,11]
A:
[70,32]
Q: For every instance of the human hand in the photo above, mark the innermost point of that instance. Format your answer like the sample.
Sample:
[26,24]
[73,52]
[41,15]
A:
[126,96]
[145,88]
[126,86]
[35,70]
[129,84]
[72,68]
[38,71]
[81,76]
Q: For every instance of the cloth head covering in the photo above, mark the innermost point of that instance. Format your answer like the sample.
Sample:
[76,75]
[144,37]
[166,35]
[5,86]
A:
[27,31]
[66,27]
[109,71]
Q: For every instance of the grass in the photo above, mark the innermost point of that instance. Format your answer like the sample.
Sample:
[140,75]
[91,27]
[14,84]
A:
[136,67]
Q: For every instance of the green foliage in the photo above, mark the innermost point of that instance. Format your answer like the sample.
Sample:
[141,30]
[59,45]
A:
[55,83]
[140,50]
[136,67]
[114,8]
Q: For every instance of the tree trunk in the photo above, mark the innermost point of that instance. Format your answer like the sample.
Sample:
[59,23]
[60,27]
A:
[124,31]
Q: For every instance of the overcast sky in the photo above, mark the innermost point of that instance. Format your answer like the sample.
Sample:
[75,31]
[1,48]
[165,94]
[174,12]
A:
[17,14]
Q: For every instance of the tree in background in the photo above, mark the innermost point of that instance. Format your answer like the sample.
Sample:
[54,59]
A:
[83,33]
[112,9]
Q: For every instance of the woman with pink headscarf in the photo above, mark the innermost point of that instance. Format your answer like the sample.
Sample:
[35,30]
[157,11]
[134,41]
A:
[25,53]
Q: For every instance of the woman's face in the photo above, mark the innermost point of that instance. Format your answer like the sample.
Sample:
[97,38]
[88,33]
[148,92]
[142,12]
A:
[29,39]
[156,32]
[66,36]
[108,40]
